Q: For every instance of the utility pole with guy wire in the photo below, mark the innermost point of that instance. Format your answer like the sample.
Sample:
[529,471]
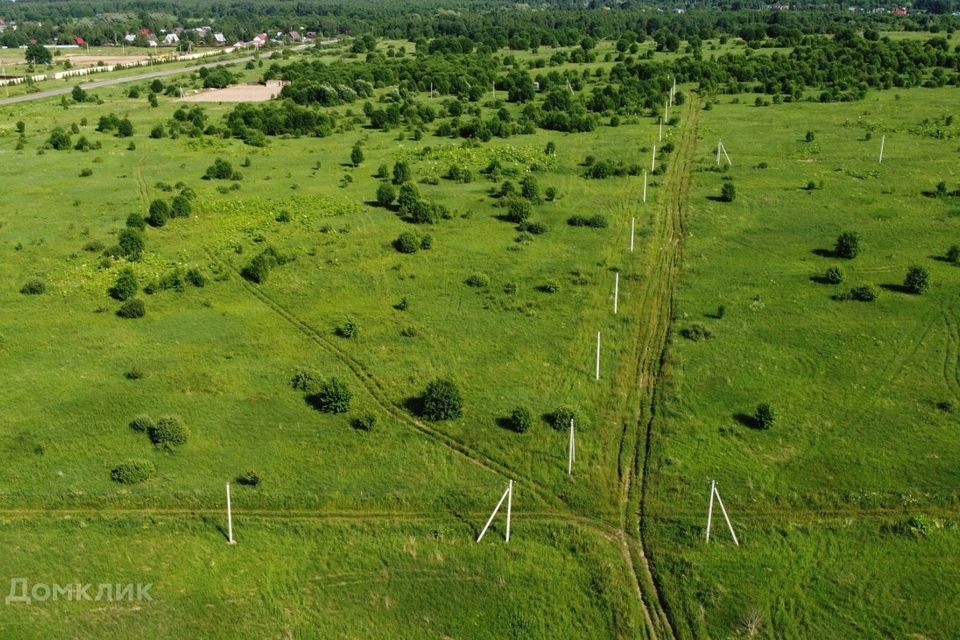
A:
[508,496]
[714,492]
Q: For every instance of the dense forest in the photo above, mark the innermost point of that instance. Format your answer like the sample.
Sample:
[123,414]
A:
[487,25]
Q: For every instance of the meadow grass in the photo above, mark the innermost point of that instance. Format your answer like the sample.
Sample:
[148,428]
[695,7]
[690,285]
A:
[862,391]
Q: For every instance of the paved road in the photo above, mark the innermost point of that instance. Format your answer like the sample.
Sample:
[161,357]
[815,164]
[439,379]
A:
[50,93]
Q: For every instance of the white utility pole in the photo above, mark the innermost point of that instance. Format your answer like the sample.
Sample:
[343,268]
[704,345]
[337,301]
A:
[660,135]
[571,450]
[653,160]
[633,224]
[883,139]
[230,539]
[598,356]
[644,187]
[713,484]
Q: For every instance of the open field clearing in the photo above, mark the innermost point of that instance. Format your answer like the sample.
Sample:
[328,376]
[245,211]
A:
[862,465]
[238,93]
[459,336]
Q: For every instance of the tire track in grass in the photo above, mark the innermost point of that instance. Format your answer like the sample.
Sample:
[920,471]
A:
[660,272]
[951,358]
[376,390]
[141,184]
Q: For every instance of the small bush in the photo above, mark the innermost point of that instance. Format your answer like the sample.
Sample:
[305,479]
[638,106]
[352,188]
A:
[728,193]
[136,221]
[696,333]
[953,254]
[386,194]
[441,400]
[917,280]
[407,242]
[133,471]
[520,419]
[249,479]
[764,416]
[863,293]
[833,275]
[168,432]
[365,422]
[126,285]
[304,380]
[159,213]
[142,423]
[134,374]
[560,417]
[196,278]
[597,222]
[536,228]
[33,287]
[220,170]
[478,280]
[132,309]
[517,210]
[549,287]
[847,245]
[349,329]
[333,396]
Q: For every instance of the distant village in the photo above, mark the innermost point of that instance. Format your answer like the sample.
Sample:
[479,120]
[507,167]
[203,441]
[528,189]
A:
[202,36]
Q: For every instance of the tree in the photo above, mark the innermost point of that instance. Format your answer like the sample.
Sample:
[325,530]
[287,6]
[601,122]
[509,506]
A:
[441,400]
[953,254]
[408,198]
[159,212]
[529,189]
[764,416]
[219,170]
[728,192]
[130,243]
[59,139]
[333,396]
[917,280]
[180,207]
[356,155]
[126,285]
[124,128]
[38,54]
[78,94]
[518,210]
[847,246]
[401,173]
[386,194]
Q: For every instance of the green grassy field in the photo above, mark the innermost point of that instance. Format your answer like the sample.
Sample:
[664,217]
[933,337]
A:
[222,356]
[371,534]
[865,432]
